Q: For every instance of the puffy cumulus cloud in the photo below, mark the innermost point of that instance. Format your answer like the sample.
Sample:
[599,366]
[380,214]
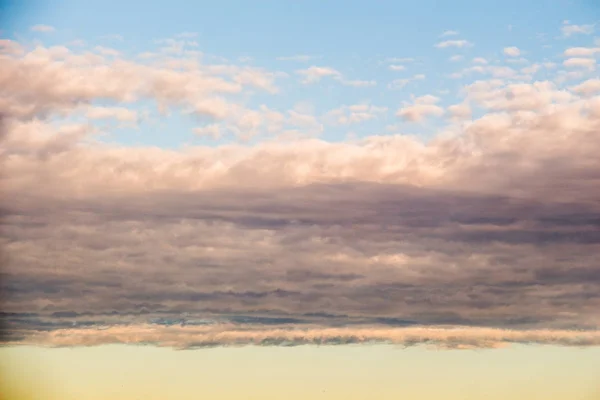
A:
[497,95]
[424,106]
[314,74]
[213,131]
[580,62]
[453,43]
[460,111]
[581,51]
[587,88]
[512,51]
[396,67]
[298,57]
[491,225]
[569,29]
[55,79]
[358,82]
[400,60]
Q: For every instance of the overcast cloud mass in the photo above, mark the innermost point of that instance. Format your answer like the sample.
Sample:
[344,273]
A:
[485,234]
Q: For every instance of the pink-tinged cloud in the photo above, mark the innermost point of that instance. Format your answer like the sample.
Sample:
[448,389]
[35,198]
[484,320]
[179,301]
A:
[491,224]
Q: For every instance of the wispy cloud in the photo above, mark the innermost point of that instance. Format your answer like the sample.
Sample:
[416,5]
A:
[569,30]
[512,51]
[449,33]
[298,57]
[454,43]
[43,28]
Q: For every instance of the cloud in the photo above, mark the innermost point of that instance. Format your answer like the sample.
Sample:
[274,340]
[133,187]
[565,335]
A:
[397,84]
[579,62]
[423,107]
[400,60]
[480,60]
[581,51]
[500,96]
[298,57]
[114,36]
[395,67]
[106,51]
[569,29]
[118,113]
[43,28]
[213,131]
[512,51]
[354,114]
[454,43]
[587,88]
[460,111]
[449,33]
[314,74]
[190,337]
[290,239]
[56,80]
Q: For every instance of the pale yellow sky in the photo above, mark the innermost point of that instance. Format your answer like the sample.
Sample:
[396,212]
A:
[120,372]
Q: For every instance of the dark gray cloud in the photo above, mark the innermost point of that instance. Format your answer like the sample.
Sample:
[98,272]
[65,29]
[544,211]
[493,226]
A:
[368,253]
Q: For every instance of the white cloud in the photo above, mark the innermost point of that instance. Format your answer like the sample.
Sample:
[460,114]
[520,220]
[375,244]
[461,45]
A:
[456,58]
[298,57]
[358,82]
[581,51]
[354,114]
[512,51]
[569,30]
[43,28]
[314,74]
[480,60]
[587,88]
[449,33]
[189,337]
[460,111]
[532,69]
[424,106]
[395,67]
[213,131]
[187,35]
[401,83]
[454,43]
[578,62]
[106,51]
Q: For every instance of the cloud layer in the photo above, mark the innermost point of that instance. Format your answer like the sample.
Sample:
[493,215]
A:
[493,224]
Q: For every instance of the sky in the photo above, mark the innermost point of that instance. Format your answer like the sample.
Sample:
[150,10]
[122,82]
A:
[264,180]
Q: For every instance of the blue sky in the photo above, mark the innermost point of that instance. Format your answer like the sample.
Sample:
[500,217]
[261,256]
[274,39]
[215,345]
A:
[361,42]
